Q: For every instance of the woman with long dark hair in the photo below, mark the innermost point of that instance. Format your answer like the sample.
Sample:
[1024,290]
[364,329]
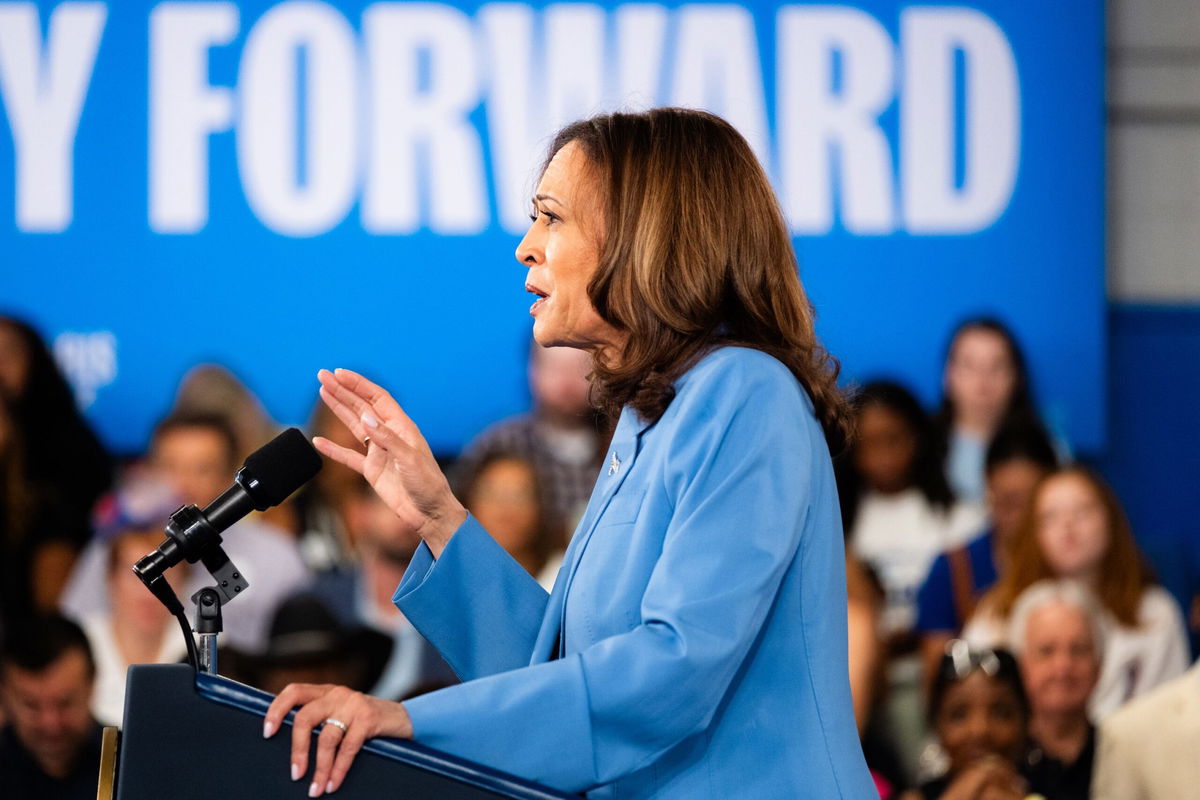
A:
[48,481]
[695,643]
[986,387]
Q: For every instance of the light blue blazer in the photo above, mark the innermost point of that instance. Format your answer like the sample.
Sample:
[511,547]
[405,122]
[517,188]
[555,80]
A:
[694,645]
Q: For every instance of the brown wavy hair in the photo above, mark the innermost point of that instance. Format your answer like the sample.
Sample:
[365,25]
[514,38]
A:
[1124,574]
[696,255]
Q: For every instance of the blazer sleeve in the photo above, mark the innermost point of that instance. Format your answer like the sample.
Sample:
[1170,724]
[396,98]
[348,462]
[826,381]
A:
[475,604]
[739,469]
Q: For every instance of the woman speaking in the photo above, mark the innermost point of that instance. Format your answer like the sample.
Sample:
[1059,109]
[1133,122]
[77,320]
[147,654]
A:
[694,645]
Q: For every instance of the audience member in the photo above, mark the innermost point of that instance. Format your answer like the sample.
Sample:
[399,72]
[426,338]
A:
[503,494]
[307,644]
[985,387]
[896,504]
[321,506]
[1075,528]
[66,454]
[212,390]
[864,600]
[899,514]
[53,469]
[1148,749]
[1057,632]
[360,595]
[1018,458]
[50,747]
[978,708]
[38,540]
[561,437]
[135,628]
[196,455]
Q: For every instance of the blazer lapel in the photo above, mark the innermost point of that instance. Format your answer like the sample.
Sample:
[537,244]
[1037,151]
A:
[622,452]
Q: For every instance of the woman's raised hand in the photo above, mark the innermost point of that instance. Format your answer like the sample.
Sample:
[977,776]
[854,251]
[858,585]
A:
[398,463]
[345,719]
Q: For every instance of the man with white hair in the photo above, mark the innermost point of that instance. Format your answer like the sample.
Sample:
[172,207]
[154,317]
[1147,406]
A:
[1057,631]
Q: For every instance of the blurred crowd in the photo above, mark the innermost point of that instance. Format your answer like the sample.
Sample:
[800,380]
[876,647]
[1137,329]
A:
[1007,639]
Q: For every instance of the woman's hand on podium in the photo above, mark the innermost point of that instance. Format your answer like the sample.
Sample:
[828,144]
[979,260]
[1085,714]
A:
[361,715]
[398,463]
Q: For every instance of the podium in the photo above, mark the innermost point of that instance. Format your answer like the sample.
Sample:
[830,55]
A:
[193,736]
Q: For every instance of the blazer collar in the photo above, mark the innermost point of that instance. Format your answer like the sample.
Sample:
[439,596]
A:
[618,462]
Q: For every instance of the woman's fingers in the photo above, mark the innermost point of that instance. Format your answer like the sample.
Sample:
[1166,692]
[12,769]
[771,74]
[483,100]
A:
[327,746]
[378,400]
[343,455]
[343,719]
[307,719]
[351,744]
[345,405]
[294,694]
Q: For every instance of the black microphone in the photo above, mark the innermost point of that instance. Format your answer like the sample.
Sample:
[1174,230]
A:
[270,474]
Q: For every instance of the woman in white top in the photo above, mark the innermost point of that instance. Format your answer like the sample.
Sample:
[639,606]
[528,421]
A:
[897,509]
[1076,529]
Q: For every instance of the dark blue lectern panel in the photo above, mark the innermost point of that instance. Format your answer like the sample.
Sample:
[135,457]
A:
[190,737]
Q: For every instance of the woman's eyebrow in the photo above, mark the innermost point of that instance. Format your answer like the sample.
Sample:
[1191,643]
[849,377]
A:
[551,198]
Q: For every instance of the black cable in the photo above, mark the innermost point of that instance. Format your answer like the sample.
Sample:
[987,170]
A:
[193,656]
[166,595]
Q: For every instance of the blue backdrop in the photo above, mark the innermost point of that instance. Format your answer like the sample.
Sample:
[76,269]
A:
[285,186]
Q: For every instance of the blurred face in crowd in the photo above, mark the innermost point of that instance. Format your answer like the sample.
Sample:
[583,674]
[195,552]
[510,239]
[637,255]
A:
[558,379]
[14,362]
[1072,526]
[379,532]
[195,461]
[980,716]
[504,500]
[131,602]
[1060,663]
[1010,486]
[980,375]
[885,450]
[562,251]
[49,709]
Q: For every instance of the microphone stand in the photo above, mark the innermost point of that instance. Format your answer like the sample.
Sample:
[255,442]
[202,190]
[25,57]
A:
[191,536]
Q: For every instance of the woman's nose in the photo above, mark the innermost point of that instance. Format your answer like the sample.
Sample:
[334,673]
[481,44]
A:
[530,251]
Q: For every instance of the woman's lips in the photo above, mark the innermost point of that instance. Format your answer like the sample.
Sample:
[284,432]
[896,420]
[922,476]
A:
[542,297]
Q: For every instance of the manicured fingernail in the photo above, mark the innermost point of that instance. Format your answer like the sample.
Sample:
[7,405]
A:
[329,788]
[268,729]
[295,772]
[314,790]
[369,420]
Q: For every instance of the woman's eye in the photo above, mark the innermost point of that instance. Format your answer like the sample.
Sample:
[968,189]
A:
[535,214]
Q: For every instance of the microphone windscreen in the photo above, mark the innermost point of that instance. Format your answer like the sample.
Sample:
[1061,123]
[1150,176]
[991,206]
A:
[279,467]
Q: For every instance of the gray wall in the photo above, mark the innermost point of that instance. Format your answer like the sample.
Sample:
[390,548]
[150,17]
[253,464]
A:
[1154,151]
